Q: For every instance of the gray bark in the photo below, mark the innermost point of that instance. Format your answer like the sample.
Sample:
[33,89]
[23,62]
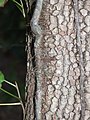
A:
[60,86]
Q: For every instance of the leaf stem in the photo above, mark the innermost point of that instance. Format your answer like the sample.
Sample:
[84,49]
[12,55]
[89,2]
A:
[9,93]
[10,83]
[17,3]
[9,104]
[20,99]
[23,11]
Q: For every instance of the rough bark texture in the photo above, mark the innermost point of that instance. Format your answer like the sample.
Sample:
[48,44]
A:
[62,62]
[30,77]
[30,87]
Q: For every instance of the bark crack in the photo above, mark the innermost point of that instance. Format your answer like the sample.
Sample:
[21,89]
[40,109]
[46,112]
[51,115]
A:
[81,61]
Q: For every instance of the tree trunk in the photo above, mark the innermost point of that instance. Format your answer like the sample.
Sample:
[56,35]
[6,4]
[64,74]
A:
[59,88]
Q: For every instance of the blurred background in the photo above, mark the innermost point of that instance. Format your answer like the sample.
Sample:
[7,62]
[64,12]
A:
[12,58]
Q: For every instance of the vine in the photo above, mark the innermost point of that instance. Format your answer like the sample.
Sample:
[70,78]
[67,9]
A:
[2,80]
[20,5]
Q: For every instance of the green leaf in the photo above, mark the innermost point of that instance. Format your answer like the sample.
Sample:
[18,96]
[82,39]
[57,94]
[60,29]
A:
[3,2]
[1,77]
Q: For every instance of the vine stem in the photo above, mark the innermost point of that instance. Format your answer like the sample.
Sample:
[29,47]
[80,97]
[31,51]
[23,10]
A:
[9,93]
[17,3]
[17,88]
[23,11]
[10,104]
[10,83]
[19,96]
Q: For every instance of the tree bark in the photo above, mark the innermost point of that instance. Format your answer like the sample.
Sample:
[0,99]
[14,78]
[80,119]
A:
[60,86]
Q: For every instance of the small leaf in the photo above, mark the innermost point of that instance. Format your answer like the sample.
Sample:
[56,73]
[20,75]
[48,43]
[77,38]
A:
[1,77]
[0,85]
[3,2]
